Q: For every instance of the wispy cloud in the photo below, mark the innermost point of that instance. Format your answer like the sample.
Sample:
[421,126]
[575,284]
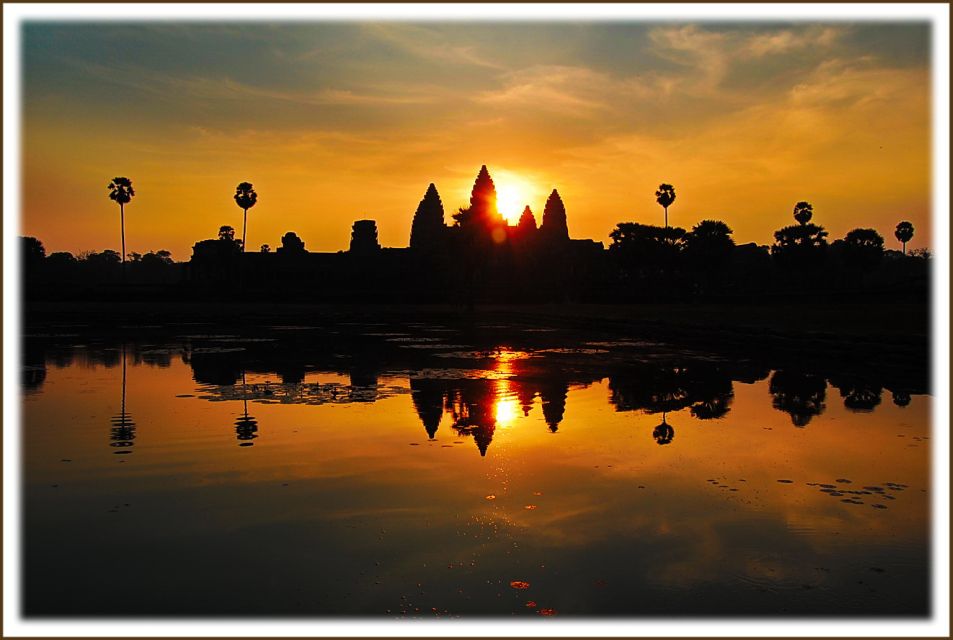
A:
[430,44]
[181,87]
[782,41]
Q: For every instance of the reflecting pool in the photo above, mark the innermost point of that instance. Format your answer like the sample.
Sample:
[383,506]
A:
[420,470]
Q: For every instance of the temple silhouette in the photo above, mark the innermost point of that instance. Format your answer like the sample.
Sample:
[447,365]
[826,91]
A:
[474,255]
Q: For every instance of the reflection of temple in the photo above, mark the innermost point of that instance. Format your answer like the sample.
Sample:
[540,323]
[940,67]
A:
[553,396]
[478,407]
[428,399]
[472,406]
[123,430]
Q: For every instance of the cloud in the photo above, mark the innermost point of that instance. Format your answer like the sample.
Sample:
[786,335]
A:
[429,44]
[787,40]
[180,87]
[554,88]
[705,52]
[857,83]
[707,56]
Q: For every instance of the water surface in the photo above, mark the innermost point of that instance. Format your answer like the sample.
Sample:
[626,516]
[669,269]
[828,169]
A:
[423,470]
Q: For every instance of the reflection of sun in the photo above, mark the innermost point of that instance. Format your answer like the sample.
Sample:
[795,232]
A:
[506,407]
[507,410]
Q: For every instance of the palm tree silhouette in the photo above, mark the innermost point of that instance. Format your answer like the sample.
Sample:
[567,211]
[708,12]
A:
[803,212]
[904,234]
[245,197]
[121,191]
[665,196]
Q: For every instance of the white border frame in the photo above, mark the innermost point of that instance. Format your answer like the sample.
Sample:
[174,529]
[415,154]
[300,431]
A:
[937,14]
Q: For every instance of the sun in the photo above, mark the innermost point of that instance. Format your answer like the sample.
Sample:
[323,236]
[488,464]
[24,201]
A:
[510,200]
[513,193]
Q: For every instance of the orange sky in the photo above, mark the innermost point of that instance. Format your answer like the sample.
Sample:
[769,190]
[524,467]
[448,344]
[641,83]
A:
[334,122]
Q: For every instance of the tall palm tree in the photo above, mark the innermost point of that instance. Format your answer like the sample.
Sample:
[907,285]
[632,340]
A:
[904,234]
[665,196]
[245,197]
[803,212]
[120,190]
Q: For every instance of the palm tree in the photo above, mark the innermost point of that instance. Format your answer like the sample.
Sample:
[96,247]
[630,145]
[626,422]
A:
[120,190]
[665,196]
[904,234]
[245,197]
[803,212]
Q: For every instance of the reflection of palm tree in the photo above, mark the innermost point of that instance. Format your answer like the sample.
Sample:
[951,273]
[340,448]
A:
[246,427]
[901,398]
[123,430]
[664,433]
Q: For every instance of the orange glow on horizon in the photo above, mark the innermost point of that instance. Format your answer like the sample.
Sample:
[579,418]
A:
[819,112]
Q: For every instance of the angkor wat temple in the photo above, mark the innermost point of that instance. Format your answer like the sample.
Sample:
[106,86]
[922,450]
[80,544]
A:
[476,256]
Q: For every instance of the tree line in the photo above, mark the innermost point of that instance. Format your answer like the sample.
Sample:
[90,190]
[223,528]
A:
[641,258]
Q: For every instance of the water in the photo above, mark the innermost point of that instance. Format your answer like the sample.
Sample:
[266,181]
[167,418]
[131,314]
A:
[362,469]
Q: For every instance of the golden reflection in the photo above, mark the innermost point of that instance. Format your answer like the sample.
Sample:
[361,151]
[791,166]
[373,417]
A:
[507,410]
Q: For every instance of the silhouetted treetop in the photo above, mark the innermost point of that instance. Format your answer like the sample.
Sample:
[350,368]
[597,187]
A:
[226,232]
[904,233]
[554,218]
[864,238]
[428,227]
[862,248]
[32,248]
[291,244]
[665,195]
[709,244]
[803,212]
[120,190]
[245,195]
[634,233]
[803,236]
